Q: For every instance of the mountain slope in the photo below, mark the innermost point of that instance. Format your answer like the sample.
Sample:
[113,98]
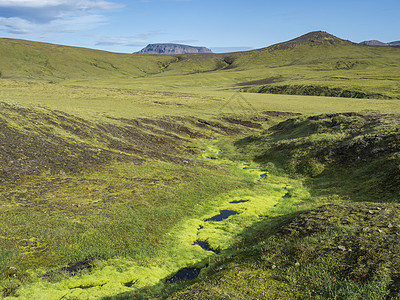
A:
[313,38]
[34,60]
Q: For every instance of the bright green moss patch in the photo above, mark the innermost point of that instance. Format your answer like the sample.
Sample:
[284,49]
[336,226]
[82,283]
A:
[177,251]
[346,250]
[130,226]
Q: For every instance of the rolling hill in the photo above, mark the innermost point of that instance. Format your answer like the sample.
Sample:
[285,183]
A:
[200,176]
[315,59]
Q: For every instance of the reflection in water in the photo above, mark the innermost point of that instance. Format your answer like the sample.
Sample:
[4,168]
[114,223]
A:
[185,274]
[205,246]
[239,201]
[223,214]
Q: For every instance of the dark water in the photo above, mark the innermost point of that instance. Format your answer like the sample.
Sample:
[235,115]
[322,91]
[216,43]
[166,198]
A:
[263,175]
[223,214]
[239,201]
[130,284]
[185,274]
[287,195]
[205,246]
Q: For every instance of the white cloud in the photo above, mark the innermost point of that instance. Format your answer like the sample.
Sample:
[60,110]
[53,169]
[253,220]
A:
[72,4]
[121,41]
[185,41]
[138,40]
[52,16]
[60,25]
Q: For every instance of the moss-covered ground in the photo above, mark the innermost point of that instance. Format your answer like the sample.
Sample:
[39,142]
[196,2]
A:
[341,242]
[111,219]
[111,165]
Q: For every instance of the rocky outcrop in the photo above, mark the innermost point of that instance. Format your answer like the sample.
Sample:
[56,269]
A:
[172,49]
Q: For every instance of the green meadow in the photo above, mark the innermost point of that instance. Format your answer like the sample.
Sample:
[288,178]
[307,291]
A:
[111,166]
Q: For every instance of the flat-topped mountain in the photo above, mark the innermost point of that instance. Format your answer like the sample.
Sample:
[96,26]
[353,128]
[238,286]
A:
[172,49]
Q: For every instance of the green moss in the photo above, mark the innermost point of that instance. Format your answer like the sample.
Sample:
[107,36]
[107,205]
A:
[106,162]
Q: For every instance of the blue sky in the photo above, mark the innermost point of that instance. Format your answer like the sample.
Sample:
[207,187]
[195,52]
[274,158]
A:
[128,26]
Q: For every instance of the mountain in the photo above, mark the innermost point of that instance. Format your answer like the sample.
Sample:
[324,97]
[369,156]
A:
[374,43]
[172,49]
[314,38]
[379,43]
[396,43]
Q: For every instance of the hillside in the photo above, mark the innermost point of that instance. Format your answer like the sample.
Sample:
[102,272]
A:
[345,248]
[200,176]
[316,59]
[172,49]
[33,60]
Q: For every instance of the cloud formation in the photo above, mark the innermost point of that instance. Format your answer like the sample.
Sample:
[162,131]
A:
[74,4]
[52,16]
[138,40]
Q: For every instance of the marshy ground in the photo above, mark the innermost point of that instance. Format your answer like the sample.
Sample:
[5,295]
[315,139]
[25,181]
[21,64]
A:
[116,173]
[121,207]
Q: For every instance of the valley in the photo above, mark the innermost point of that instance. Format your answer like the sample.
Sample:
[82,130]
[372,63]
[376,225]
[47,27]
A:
[119,171]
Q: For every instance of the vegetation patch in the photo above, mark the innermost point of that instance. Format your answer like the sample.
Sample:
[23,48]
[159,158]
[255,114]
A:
[113,167]
[312,90]
[338,153]
[346,250]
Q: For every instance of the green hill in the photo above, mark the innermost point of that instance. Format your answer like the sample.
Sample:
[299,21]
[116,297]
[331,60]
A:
[33,60]
[117,170]
[316,59]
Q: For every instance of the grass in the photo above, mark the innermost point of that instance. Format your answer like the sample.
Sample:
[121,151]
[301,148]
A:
[343,65]
[305,252]
[115,162]
[340,241]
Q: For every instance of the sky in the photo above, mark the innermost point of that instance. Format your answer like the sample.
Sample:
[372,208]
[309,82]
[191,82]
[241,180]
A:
[223,26]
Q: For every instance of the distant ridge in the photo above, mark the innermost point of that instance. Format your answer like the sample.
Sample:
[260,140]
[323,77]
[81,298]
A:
[374,43]
[172,49]
[379,43]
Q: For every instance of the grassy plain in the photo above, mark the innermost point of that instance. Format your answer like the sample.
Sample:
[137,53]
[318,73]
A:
[110,164]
